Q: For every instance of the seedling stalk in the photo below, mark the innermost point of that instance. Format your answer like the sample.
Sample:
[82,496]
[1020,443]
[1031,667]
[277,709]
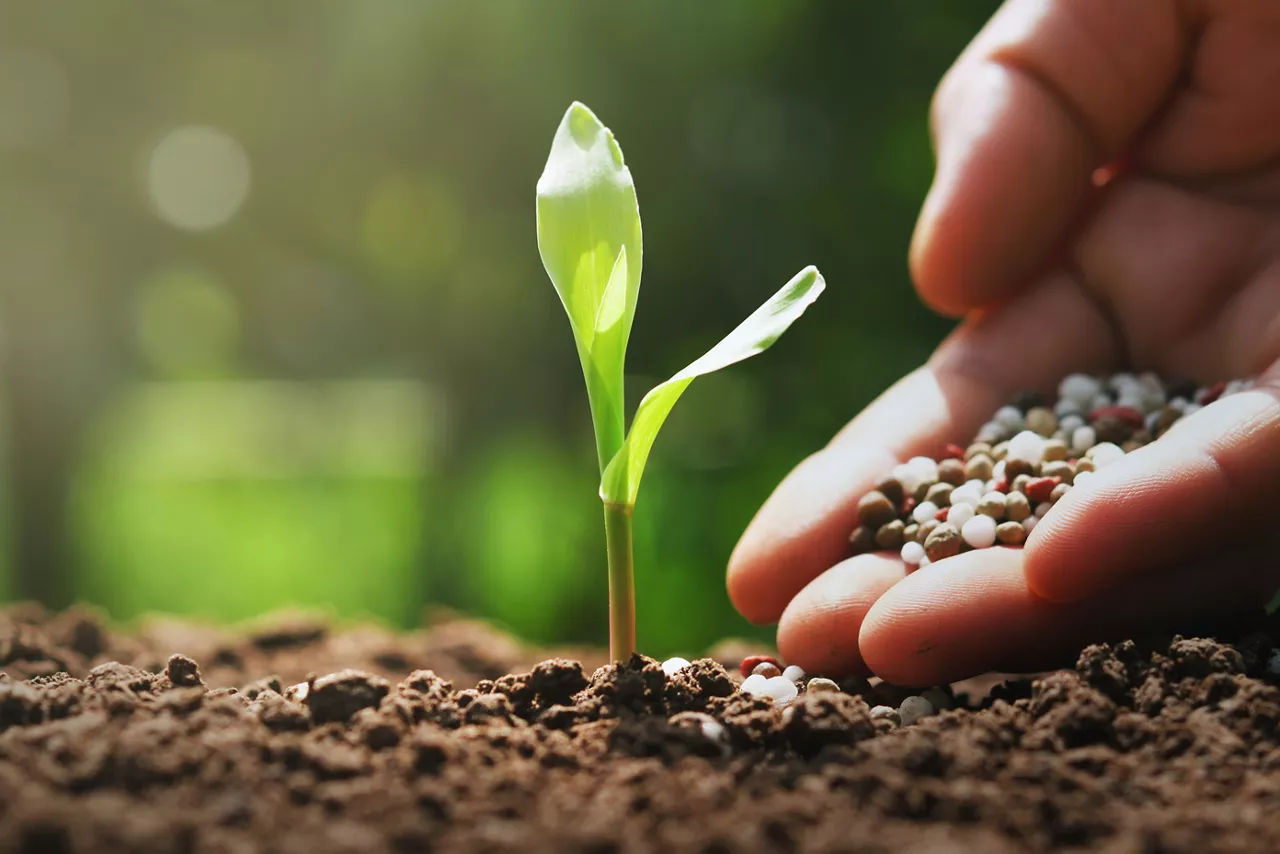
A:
[590,241]
[622,587]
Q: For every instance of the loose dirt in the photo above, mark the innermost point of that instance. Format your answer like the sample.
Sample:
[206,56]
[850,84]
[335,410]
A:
[300,736]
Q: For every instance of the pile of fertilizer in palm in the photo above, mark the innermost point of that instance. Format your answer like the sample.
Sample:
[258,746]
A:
[1030,454]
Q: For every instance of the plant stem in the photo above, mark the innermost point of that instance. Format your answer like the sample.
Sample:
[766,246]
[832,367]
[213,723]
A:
[622,593]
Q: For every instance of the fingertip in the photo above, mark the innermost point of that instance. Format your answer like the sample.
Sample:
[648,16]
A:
[934,286]
[819,628]
[894,645]
[946,622]
[1154,507]
[754,603]
[1013,172]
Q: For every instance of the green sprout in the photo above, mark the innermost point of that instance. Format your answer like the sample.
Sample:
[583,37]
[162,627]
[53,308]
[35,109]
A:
[589,239]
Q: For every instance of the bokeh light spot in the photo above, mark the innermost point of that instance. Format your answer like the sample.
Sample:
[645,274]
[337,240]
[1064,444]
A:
[198,177]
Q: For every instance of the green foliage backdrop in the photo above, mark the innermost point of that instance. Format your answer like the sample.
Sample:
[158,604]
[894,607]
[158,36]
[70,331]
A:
[274,329]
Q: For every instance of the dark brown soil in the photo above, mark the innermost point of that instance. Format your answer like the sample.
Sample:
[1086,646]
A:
[112,742]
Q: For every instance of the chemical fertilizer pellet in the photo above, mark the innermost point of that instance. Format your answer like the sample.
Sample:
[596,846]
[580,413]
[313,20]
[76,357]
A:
[913,709]
[979,532]
[672,666]
[712,729]
[767,669]
[778,689]
[819,685]
[1011,533]
[960,515]
[886,713]
[749,663]
[1029,455]
[939,698]
[912,553]
[943,542]
[794,673]
[924,511]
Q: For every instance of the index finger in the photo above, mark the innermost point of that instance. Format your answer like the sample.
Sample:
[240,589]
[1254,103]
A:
[1048,92]
[803,528]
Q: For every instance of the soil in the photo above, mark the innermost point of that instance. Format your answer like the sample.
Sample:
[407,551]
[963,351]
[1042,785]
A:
[182,738]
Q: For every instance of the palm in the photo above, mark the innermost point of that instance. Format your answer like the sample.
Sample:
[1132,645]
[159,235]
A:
[1190,281]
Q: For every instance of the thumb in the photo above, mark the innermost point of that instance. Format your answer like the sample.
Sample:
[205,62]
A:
[1214,478]
[1047,93]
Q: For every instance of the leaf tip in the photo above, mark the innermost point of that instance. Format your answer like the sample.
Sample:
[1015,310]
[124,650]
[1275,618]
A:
[583,125]
[809,284]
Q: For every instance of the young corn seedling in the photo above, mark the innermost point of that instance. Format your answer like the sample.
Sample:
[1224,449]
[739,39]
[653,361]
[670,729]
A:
[589,239]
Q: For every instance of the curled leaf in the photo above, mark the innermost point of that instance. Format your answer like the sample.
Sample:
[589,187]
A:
[590,242]
[621,481]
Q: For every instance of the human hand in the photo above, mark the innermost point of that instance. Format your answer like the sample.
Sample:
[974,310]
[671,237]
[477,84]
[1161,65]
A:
[1172,265]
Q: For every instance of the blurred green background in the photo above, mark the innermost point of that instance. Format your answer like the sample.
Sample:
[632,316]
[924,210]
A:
[274,329]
